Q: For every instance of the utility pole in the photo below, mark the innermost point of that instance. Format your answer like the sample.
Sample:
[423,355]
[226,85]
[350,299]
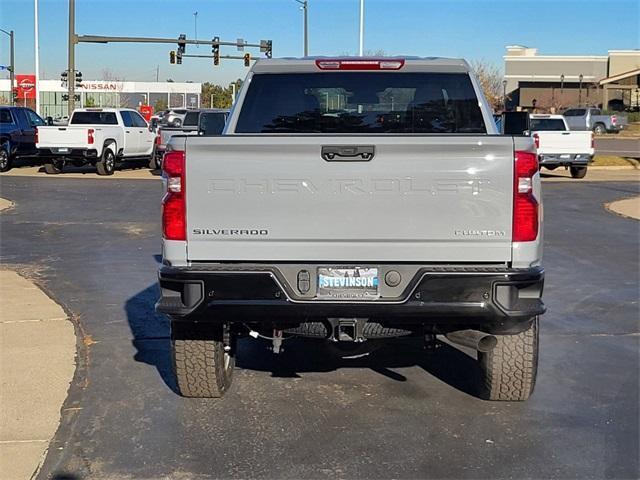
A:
[305,12]
[71,72]
[12,62]
[37,54]
[157,73]
[361,28]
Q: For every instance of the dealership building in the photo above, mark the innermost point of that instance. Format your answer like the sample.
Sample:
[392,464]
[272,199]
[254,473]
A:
[101,93]
[558,81]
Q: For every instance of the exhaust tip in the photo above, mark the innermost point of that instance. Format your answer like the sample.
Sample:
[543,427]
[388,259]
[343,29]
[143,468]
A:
[480,341]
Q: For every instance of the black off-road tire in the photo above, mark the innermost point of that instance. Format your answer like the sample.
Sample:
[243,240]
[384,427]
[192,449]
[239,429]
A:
[107,164]
[509,370]
[54,167]
[578,172]
[5,158]
[202,367]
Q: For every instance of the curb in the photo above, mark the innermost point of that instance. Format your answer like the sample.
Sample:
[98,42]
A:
[625,207]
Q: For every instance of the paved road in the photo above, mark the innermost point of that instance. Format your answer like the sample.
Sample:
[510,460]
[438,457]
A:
[396,413]
[621,147]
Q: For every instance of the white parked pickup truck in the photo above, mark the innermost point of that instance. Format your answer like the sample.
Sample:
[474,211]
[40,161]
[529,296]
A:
[96,136]
[559,147]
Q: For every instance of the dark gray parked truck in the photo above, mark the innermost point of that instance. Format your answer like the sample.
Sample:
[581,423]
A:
[354,200]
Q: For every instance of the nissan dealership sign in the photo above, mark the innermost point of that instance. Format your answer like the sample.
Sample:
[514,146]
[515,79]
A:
[26,86]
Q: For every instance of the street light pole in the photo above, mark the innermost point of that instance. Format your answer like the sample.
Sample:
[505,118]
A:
[12,62]
[361,50]
[580,90]
[305,11]
[71,73]
[504,95]
[37,55]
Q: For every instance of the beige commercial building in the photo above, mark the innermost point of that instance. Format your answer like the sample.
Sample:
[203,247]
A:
[549,82]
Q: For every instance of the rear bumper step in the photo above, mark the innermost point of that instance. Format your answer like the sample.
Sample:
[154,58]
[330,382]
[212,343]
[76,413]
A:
[501,300]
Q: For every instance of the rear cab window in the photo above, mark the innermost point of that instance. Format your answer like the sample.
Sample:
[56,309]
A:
[361,102]
[547,124]
[191,119]
[94,118]
[575,112]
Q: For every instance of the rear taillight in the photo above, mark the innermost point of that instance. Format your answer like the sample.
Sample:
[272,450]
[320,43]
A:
[36,138]
[536,140]
[614,119]
[174,209]
[525,205]
[158,137]
[90,138]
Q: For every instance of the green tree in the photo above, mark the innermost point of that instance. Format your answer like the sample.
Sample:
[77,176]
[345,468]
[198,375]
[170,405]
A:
[160,105]
[217,96]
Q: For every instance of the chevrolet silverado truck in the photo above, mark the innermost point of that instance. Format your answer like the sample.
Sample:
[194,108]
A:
[558,147]
[354,200]
[97,136]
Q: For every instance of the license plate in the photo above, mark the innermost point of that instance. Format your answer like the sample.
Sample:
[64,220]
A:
[565,156]
[62,150]
[355,283]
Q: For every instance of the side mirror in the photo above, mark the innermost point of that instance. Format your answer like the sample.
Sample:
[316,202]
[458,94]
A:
[49,121]
[515,123]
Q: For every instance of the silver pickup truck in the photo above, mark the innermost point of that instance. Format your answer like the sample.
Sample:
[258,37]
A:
[354,200]
[589,118]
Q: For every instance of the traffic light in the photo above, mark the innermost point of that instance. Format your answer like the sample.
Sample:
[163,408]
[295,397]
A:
[182,46]
[247,59]
[215,49]
[15,96]
[63,78]
[172,57]
[78,79]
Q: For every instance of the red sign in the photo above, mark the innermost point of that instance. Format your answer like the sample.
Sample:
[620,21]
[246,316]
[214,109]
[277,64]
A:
[146,111]
[26,86]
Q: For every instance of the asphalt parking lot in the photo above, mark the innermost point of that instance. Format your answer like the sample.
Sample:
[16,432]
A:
[397,413]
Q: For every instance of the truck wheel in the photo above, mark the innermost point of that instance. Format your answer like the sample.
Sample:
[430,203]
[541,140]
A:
[202,367]
[107,164]
[154,160]
[599,129]
[54,167]
[5,158]
[578,172]
[509,370]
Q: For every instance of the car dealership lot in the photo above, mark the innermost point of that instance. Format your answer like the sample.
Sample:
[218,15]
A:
[395,413]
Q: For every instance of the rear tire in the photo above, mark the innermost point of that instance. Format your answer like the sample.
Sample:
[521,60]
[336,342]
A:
[578,172]
[599,129]
[203,369]
[53,168]
[509,370]
[107,164]
[5,158]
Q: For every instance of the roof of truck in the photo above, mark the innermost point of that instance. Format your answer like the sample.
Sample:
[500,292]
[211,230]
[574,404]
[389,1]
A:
[310,64]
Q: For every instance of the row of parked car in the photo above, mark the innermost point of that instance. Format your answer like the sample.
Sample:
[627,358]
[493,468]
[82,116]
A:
[102,137]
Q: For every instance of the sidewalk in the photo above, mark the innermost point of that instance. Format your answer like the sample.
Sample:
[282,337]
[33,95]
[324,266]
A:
[37,363]
[629,207]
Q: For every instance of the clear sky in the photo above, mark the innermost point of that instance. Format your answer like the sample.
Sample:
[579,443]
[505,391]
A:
[472,29]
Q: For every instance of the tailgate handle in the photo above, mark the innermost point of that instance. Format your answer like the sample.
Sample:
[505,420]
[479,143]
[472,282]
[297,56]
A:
[348,153]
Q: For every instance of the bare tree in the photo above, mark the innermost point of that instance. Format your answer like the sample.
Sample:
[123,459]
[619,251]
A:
[490,79]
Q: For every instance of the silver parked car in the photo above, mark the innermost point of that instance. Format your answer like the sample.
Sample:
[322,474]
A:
[590,118]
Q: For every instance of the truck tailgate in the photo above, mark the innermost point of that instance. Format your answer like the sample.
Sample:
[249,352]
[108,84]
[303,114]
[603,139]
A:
[420,198]
[69,136]
[564,142]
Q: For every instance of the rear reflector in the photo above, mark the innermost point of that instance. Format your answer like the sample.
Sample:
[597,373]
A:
[174,209]
[369,64]
[525,205]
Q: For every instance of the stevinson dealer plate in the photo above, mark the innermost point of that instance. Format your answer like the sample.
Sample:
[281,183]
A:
[354,283]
